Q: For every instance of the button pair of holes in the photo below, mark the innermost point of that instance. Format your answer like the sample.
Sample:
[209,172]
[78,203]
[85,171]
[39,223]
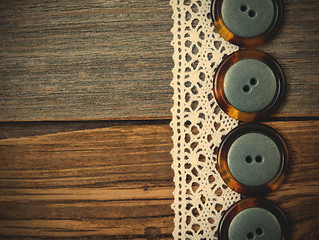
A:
[251,13]
[253,82]
[258,159]
[259,232]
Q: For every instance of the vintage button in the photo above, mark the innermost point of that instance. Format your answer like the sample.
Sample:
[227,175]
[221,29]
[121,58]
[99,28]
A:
[253,159]
[253,218]
[247,22]
[249,85]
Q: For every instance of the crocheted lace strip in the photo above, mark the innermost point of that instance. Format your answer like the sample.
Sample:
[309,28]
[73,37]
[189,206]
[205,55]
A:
[198,123]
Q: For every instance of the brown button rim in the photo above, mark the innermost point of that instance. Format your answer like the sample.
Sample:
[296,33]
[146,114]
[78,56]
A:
[250,203]
[224,170]
[241,41]
[221,71]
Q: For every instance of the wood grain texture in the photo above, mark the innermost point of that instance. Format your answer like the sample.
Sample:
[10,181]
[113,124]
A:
[296,49]
[116,183]
[106,59]
[25,129]
[85,59]
[108,182]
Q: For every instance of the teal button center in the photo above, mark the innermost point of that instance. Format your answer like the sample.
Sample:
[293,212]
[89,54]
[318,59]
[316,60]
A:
[254,159]
[248,18]
[250,85]
[254,223]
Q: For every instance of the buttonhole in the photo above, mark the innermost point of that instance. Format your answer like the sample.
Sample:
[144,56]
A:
[249,159]
[253,81]
[243,8]
[259,159]
[246,88]
[259,231]
[250,235]
[251,13]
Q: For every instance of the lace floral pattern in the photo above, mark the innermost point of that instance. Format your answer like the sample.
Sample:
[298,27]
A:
[198,123]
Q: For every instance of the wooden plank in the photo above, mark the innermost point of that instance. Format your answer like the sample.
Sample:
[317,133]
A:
[117,183]
[296,50]
[25,129]
[108,182]
[298,196]
[85,59]
[107,59]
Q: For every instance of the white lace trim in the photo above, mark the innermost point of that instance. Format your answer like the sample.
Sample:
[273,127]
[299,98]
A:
[198,123]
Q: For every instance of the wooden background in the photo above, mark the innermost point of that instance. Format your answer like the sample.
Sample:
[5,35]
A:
[84,119]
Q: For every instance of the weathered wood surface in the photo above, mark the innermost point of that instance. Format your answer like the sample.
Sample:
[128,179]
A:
[111,59]
[85,59]
[107,59]
[117,183]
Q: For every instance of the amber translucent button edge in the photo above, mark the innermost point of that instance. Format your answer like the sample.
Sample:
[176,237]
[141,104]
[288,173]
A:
[224,170]
[221,28]
[236,208]
[221,98]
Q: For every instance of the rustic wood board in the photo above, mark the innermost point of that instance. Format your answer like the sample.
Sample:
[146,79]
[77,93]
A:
[85,59]
[110,59]
[117,183]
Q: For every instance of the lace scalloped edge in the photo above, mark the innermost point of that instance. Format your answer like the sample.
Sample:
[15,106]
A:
[198,124]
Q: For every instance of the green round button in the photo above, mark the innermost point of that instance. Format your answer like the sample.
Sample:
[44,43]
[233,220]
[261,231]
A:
[250,85]
[248,18]
[255,223]
[254,159]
